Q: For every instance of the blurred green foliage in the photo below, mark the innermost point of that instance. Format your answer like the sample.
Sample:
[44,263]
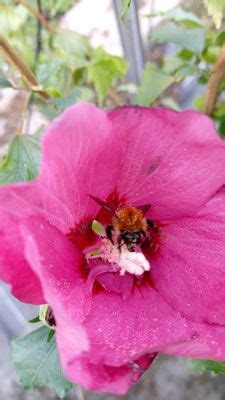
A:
[22,160]
[188,47]
[37,364]
[70,69]
[62,60]
[192,39]
[154,82]
[216,367]
[215,9]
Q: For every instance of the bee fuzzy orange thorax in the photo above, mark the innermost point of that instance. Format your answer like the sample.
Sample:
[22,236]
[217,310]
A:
[129,218]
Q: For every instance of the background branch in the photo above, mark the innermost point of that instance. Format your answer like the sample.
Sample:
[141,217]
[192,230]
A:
[213,86]
[38,34]
[115,97]
[37,14]
[23,113]
[14,59]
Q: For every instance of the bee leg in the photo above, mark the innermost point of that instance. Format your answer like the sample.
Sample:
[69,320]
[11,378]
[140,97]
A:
[109,230]
[152,225]
[143,233]
[120,242]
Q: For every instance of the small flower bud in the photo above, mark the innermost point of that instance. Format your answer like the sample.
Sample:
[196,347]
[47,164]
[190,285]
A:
[46,315]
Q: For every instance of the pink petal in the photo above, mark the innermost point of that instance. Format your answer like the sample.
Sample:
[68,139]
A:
[96,271]
[16,202]
[111,331]
[207,342]
[174,161]
[106,378]
[189,271]
[57,263]
[109,278]
[81,157]
[106,334]
[115,283]
[122,330]
[14,269]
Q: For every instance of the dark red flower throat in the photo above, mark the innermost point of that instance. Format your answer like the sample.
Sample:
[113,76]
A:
[128,220]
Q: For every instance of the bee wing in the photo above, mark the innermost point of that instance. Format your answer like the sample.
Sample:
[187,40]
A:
[102,203]
[144,209]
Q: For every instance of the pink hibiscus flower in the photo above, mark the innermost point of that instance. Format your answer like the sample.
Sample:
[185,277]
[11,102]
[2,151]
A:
[153,279]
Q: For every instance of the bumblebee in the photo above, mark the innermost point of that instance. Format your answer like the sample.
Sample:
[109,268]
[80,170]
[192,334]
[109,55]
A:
[129,226]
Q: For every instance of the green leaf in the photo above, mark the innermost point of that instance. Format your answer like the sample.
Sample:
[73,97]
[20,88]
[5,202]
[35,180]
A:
[37,364]
[48,112]
[74,47]
[208,365]
[190,39]
[53,7]
[61,103]
[12,18]
[178,14]
[220,125]
[220,39]
[199,103]
[103,71]
[187,55]
[125,9]
[172,63]
[219,110]
[210,54]
[153,84]
[58,104]
[50,335]
[86,94]
[22,160]
[34,320]
[47,74]
[186,70]
[215,10]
